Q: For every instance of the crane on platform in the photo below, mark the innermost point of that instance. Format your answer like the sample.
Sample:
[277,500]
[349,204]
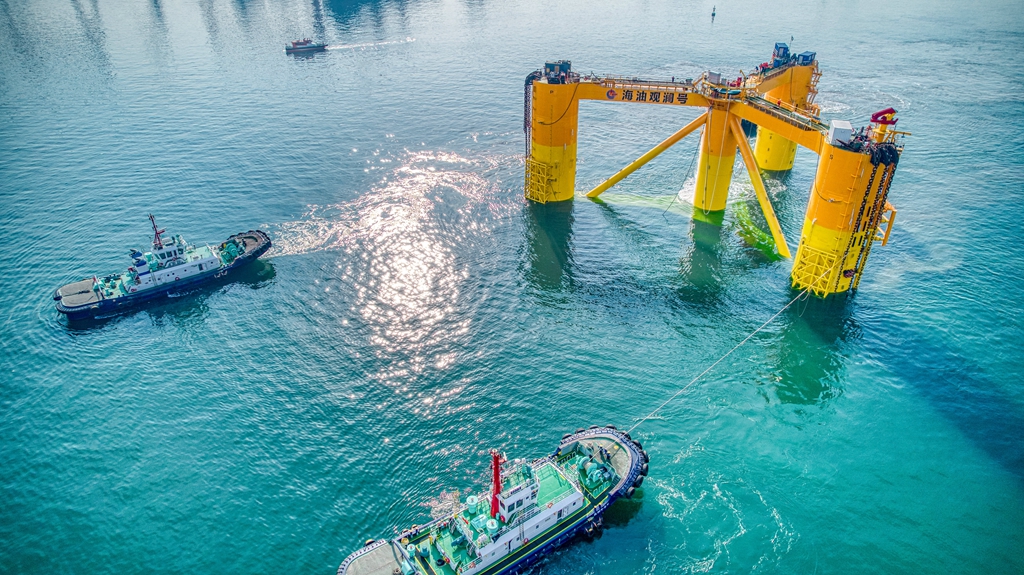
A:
[848,210]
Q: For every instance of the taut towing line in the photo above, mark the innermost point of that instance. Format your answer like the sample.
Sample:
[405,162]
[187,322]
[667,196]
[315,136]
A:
[565,494]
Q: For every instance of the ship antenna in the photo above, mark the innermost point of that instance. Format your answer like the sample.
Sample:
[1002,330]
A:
[157,242]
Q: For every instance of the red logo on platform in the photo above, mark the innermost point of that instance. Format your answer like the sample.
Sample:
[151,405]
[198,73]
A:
[611,94]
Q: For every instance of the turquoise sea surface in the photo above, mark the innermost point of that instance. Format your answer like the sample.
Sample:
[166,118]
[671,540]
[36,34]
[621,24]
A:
[417,311]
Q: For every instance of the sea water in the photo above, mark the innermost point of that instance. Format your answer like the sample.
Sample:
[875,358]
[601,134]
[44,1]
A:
[416,311]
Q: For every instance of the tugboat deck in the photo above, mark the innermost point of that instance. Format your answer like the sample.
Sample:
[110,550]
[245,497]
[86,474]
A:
[620,458]
[553,485]
[460,556]
[381,559]
[80,293]
[250,241]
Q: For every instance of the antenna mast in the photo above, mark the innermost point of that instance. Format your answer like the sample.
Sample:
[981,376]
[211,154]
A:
[496,481]
[157,242]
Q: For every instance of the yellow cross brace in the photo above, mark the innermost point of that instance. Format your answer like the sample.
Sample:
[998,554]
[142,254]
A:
[762,194]
[635,165]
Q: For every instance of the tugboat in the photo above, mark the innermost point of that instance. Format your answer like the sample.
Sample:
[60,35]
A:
[531,508]
[303,46]
[172,265]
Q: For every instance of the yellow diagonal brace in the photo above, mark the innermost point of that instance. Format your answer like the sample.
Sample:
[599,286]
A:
[648,156]
[762,194]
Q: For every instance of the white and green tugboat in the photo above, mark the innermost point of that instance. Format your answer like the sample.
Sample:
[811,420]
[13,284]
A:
[531,508]
[172,265]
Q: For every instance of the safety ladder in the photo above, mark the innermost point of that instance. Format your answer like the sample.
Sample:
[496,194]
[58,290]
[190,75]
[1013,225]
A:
[793,116]
[888,217]
[813,91]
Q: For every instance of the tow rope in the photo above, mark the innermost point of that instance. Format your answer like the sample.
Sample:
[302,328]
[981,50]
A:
[803,293]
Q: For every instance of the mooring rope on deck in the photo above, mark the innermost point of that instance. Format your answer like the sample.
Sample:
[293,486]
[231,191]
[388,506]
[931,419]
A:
[803,293]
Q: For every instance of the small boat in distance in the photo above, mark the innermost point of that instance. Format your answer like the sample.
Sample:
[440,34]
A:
[303,46]
[531,508]
[172,265]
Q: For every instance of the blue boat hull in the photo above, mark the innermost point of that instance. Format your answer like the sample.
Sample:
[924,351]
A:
[305,49]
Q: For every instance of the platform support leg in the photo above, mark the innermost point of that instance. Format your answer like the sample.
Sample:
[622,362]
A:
[847,204]
[714,167]
[551,167]
[759,190]
[773,152]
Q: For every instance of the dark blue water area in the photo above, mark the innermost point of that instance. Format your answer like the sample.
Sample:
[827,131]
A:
[416,311]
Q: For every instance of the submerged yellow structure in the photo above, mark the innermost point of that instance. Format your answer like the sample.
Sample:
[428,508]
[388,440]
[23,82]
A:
[848,209]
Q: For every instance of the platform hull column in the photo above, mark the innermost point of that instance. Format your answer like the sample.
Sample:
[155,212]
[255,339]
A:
[772,151]
[551,167]
[848,198]
[714,167]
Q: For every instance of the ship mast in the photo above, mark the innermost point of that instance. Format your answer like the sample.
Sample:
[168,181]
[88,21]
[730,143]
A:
[496,483]
[157,242]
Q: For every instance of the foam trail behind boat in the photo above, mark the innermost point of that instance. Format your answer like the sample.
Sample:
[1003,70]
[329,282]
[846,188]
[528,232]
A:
[370,44]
